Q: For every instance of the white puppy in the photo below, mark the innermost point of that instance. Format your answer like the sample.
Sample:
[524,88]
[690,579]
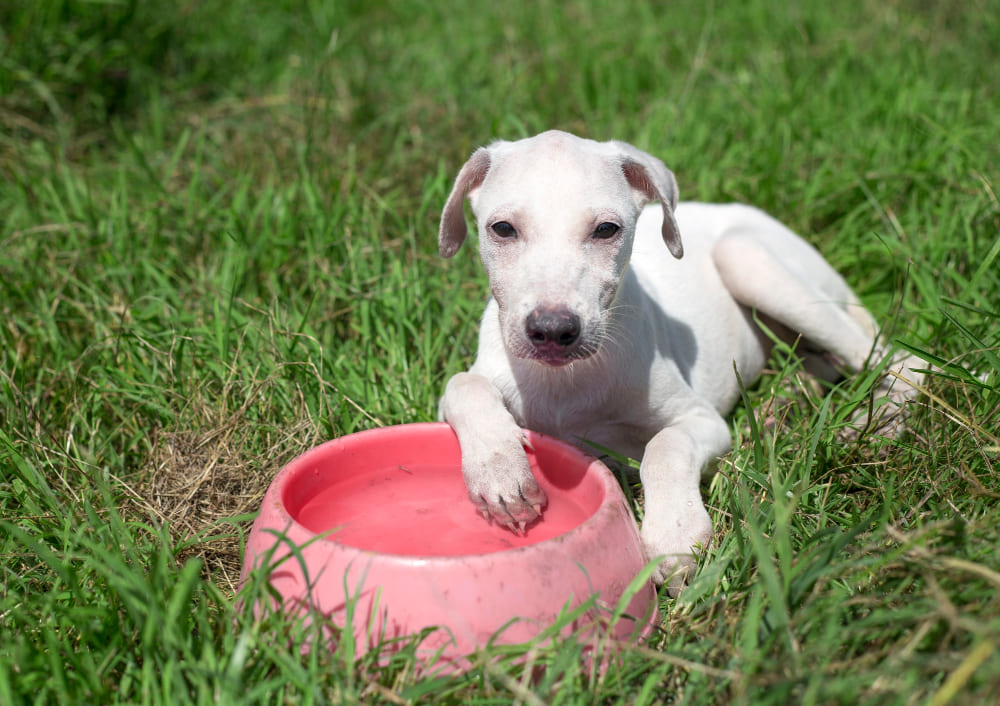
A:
[599,330]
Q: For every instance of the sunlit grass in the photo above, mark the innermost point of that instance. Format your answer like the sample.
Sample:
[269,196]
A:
[219,249]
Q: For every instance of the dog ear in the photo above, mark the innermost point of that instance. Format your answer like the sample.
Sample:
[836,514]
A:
[649,176]
[453,231]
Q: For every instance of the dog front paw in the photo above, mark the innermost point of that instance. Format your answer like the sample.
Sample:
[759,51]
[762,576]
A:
[499,480]
[676,541]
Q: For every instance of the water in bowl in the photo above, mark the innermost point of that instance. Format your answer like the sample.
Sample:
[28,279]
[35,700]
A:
[423,510]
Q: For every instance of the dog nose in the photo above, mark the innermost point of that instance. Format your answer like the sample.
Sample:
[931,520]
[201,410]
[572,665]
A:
[555,326]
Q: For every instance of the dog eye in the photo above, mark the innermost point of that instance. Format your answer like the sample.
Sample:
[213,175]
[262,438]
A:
[605,231]
[504,229]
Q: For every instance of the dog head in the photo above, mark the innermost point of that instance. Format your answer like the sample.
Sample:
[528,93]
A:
[556,216]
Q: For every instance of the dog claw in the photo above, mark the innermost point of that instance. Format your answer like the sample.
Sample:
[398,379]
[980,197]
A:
[525,441]
[515,526]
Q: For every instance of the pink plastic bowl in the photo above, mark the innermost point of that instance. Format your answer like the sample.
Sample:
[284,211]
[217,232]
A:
[383,522]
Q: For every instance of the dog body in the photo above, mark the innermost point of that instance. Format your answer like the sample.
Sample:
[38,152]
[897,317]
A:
[620,323]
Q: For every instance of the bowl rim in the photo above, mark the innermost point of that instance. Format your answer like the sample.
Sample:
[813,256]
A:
[612,492]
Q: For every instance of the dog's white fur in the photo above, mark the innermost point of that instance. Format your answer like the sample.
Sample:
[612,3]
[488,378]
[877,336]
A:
[616,334]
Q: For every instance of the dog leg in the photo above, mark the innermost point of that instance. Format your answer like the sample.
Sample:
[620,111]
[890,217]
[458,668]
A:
[494,464]
[830,319]
[675,523]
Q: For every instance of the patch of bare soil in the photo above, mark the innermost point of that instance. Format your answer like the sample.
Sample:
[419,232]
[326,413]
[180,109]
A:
[202,480]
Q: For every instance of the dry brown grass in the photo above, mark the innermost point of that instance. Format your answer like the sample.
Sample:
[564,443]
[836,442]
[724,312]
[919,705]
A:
[208,478]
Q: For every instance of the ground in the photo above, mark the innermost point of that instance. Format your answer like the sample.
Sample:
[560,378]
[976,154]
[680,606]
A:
[219,242]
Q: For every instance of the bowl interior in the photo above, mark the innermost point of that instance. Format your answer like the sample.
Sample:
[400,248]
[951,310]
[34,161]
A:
[399,490]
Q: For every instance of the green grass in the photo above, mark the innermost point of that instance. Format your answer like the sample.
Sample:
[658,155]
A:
[219,248]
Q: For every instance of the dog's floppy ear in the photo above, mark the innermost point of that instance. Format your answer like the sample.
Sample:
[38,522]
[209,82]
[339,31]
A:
[453,230]
[649,176]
